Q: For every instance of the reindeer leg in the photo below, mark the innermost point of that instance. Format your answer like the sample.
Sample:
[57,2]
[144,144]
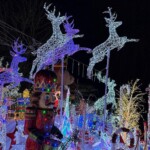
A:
[38,68]
[33,67]
[91,66]
[41,66]
[26,80]
[85,49]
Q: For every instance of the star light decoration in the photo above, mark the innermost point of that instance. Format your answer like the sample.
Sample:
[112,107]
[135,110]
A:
[59,44]
[114,41]
[99,104]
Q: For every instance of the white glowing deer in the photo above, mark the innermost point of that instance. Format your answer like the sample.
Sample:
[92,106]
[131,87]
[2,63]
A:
[68,49]
[114,41]
[57,40]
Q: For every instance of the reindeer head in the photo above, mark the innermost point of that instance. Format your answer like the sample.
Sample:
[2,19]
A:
[18,49]
[111,84]
[69,27]
[111,23]
[52,17]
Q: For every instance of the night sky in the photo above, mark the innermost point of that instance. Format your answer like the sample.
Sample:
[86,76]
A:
[132,61]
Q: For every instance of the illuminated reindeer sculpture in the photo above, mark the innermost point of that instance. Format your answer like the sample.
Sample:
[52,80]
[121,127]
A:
[99,104]
[56,41]
[12,76]
[113,42]
[67,49]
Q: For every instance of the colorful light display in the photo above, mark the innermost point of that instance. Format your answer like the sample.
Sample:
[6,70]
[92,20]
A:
[87,124]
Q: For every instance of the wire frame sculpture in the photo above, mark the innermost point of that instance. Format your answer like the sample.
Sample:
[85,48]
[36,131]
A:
[114,41]
[52,50]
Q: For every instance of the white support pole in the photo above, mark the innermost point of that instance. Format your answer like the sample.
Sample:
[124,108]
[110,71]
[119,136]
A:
[147,134]
[62,88]
[106,82]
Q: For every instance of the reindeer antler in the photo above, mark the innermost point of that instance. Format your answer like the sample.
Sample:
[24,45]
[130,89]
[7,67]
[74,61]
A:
[18,48]
[112,16]
[51,14]
[67,24]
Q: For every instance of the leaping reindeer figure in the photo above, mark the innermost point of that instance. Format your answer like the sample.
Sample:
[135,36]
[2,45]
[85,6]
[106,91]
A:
[57,40]
[12,76]
[67,49]
[113,41]
[99,104]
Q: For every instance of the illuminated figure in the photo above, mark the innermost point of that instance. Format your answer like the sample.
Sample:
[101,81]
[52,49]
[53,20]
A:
[69,48]
[114,41]
[50,49]
[39,118]
[12,76]
[99,104]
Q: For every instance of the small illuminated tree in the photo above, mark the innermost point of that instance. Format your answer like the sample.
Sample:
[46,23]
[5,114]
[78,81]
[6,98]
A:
[130,105]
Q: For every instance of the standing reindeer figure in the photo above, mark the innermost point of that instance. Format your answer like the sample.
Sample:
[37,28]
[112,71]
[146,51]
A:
[56,41]
[12,76]
[99,104]
[67,49]
[113,41]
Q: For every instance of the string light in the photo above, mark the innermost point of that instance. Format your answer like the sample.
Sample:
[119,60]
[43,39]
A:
[48,90]
[44,111]
[55,80]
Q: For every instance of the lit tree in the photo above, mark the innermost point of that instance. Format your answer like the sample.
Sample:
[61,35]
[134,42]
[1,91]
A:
[130,105]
